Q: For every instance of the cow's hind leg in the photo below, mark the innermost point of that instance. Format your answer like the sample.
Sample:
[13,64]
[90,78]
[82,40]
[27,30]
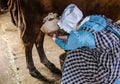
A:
[43,58]
[30,65]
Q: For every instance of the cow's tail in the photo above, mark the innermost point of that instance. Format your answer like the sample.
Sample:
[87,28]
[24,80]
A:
[12,5]
[16,14]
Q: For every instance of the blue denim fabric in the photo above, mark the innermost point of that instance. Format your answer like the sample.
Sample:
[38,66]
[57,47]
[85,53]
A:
[117,81]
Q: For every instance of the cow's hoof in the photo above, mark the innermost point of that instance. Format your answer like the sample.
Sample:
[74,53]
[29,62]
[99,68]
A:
[55,70]
[37,74]
[52,68]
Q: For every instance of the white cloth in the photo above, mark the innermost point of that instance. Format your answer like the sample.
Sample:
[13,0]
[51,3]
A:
[50,23]
[84,20]
[70,17]
[50,26]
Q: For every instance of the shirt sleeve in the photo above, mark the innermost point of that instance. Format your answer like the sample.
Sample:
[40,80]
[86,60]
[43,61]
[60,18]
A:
[61,43]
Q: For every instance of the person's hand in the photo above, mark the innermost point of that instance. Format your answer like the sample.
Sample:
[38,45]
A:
[63,38]
[51,34]
[54,37]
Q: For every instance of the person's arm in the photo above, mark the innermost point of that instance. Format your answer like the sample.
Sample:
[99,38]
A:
[70,44]
[77,40]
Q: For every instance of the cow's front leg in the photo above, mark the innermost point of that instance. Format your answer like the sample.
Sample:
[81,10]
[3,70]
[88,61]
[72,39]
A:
[43,58]
[28,44]
[30,64]
[29,59]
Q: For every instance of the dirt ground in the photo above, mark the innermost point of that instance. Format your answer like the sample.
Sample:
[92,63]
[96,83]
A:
[12,58]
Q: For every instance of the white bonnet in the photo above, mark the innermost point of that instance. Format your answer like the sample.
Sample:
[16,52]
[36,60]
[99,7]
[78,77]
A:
[70,17]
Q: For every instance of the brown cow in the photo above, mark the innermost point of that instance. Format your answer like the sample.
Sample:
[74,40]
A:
[28,16]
